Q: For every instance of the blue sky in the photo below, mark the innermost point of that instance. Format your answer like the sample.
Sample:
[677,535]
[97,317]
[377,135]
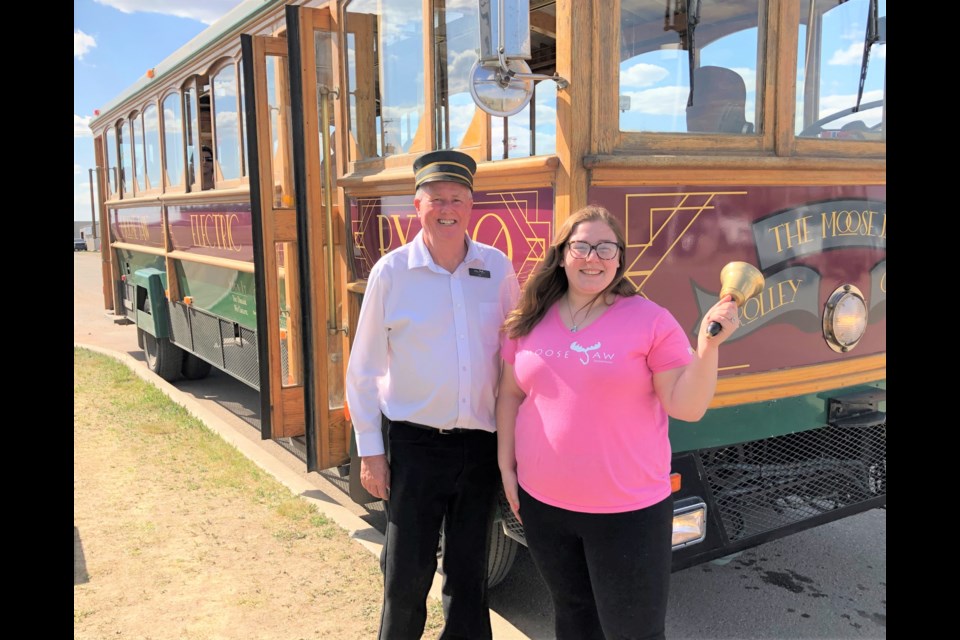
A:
[114,43]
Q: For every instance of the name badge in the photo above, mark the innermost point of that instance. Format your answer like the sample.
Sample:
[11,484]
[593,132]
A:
[480,273]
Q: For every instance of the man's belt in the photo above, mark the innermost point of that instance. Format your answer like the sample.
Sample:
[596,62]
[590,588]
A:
[454,430]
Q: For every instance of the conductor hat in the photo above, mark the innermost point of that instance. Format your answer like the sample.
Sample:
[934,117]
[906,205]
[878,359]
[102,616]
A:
[445,164]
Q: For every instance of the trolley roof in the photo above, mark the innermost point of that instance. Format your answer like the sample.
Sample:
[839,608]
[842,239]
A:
[222,29]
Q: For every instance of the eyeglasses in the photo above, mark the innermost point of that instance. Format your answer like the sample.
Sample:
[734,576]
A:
[605,250]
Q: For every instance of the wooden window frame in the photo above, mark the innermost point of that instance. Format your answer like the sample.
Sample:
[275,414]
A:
[168,186]
[110,194]
[243,180]
[156,184]
[132,188]
[778,25]
[190,89]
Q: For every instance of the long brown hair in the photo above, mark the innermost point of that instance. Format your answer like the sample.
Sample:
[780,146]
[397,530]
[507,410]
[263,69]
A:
[548,282]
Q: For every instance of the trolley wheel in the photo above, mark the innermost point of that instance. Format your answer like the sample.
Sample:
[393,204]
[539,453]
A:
[501,552]
[194,368]
[163,357]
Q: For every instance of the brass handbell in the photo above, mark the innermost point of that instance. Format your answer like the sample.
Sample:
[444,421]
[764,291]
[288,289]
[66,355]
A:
[742,281]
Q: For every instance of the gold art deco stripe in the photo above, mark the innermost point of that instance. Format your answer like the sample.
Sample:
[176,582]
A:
[758,387]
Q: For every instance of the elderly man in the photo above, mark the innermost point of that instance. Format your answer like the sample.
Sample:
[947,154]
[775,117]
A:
[424,365]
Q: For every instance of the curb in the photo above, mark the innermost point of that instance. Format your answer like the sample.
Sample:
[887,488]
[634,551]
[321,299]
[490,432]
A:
[368,537]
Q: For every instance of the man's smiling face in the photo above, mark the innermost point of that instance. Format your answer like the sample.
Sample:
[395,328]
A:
[444,210]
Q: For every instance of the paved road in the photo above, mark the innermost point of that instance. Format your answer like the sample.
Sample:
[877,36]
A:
[828,582]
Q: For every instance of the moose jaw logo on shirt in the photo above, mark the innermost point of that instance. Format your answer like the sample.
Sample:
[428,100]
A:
[585,352]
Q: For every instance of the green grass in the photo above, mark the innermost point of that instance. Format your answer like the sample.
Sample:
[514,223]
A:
[164,504]
[108,394]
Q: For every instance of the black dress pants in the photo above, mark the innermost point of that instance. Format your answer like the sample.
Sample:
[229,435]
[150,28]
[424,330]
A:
[608,573]
[438,479]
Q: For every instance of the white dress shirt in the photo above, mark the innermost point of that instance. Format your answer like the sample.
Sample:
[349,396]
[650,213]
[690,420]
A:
[427,346]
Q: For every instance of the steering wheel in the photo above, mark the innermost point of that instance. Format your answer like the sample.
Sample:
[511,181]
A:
[816,127]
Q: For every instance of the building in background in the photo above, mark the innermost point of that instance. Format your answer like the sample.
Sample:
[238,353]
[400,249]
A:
[85,232]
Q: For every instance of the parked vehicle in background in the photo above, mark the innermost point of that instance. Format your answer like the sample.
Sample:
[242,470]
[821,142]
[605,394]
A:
[79,244]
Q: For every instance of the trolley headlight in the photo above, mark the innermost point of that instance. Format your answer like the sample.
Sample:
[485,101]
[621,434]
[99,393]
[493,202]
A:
[689,523]
[844,318]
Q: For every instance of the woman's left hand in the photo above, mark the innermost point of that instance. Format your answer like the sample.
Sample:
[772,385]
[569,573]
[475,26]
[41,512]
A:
[726,313]
[510,488]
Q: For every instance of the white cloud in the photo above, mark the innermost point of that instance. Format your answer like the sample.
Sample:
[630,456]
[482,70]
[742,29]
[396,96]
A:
[207,12]
[843,102]
[81,126]
[546,112]
[835,103]
[461,115]
[749,76]
[82,43]
[661,101]
[853,55]
[82,208]
[81,202]
[641,75]
[459,71]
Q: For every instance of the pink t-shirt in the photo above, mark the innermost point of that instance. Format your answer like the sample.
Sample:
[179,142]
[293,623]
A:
[591,433]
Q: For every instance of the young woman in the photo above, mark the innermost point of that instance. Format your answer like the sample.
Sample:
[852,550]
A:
[591,372]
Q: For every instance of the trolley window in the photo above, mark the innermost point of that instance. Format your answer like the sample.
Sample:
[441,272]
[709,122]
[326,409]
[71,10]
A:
[715,42]
[191,137]
[457,38]
[841,70]
[173,141]
[140,170]
[533,130]
[244,168]
[110,161]
[125,132]
[151,148]
[226,124]
[386,85]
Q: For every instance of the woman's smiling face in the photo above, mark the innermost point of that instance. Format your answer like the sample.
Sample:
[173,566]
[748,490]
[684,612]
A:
[590,275]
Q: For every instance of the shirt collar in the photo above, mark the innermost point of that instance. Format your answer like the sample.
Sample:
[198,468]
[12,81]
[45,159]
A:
[419,255]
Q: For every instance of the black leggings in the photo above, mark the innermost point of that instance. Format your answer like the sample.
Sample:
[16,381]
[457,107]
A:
[608,573]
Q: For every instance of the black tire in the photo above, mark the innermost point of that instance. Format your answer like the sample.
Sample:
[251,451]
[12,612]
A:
[194,368]
[501,552]
[163,357]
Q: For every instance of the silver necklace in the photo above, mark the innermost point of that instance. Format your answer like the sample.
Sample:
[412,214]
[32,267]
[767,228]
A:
[573,317]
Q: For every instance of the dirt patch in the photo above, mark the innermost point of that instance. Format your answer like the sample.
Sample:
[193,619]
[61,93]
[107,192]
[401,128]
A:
[177,535]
